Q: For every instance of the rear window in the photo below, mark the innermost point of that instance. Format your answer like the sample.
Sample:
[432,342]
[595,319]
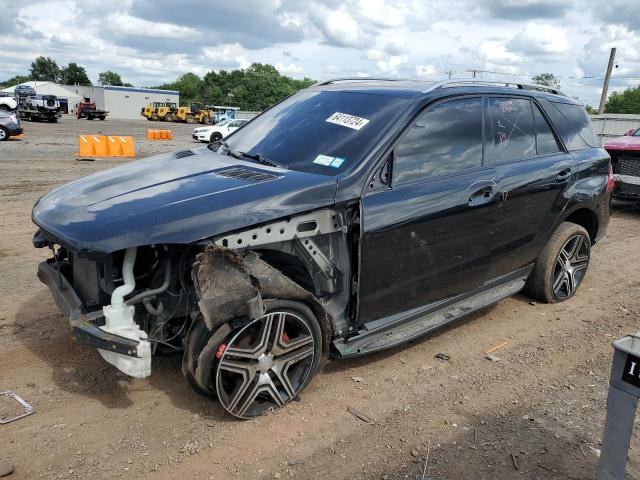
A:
[514,134]
[319,132]
[573,125]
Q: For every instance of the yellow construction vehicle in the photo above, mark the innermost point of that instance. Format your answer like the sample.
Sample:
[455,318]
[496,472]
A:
[201,114]
[160,111]
[192,113]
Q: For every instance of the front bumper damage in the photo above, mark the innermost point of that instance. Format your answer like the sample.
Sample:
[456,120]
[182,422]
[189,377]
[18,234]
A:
[86,327]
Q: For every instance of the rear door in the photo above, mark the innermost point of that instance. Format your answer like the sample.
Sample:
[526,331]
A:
[427,237]
[532,173]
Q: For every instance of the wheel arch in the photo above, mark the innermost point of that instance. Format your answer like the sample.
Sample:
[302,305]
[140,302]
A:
[586,218]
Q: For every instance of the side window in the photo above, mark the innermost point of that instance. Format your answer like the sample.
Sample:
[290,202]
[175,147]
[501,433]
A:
[573,125]
[447,138]
[546,140]
[514,134]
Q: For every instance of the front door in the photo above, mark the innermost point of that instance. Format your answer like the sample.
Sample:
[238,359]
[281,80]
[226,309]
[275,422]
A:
[428,237]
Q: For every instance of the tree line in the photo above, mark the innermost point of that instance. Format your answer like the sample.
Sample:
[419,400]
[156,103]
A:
[46,69]
[254,88]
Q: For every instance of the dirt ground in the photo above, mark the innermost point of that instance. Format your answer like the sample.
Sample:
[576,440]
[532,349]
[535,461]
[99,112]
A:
[535,413]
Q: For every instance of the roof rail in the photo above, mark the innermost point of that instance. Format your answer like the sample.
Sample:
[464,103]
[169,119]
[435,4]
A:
[360,79]
[477,82]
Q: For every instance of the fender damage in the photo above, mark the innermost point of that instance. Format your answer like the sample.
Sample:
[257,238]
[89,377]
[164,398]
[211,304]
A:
[233,286]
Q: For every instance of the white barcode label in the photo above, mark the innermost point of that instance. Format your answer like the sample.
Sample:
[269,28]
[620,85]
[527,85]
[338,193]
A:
[346,120]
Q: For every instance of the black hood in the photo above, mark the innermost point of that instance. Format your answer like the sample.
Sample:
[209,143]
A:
[178,198]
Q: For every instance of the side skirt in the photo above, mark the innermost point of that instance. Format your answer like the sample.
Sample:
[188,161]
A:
[416,324]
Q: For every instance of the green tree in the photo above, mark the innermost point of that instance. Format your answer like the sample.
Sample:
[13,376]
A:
[548,79]
[17,80]
[189,85]
[110,78]
[74,74]
[254,88]
[45,69]
[627,101]
[591,110]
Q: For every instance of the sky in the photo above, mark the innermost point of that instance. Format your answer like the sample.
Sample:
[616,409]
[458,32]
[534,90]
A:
[150,42]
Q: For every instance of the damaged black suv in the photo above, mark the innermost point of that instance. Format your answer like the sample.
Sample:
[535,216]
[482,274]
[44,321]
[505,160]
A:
[348,218]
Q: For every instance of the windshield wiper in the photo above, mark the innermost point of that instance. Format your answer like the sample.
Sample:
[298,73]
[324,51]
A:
[258,157]
[262,159]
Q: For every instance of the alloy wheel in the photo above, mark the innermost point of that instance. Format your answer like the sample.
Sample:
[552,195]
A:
[3,134]
[571,266]
[266,364]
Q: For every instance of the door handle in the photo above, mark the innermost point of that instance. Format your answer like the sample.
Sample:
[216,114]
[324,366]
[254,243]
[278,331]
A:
[563,176]
[481,197]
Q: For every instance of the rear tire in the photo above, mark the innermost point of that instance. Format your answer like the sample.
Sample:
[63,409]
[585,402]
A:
[4,134]
[562,266]
[215,137]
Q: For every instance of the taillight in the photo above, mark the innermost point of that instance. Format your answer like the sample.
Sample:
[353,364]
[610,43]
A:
[611,181]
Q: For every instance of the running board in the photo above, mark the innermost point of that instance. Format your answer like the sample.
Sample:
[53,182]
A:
[372,341]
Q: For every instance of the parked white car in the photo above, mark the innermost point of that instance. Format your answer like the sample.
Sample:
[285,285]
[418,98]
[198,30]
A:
[220,130]
[8,103]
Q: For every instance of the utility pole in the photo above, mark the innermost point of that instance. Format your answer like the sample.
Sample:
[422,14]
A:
[605,87]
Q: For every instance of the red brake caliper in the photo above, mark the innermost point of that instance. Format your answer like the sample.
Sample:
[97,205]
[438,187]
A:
[220,350]
[285,337]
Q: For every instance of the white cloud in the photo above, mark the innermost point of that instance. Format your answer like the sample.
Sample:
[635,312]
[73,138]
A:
[392,64]
[425,70]
[495,52]
[540,39]
[338,27]
[289,69]
[129,25]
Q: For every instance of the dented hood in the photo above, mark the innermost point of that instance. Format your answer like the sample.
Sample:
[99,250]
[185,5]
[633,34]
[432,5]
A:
[175,199]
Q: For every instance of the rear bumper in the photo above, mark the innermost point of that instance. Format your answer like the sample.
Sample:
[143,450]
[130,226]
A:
[627,186]
[85,326]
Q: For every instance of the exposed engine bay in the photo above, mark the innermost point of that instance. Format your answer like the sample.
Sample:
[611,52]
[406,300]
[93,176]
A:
[171,298]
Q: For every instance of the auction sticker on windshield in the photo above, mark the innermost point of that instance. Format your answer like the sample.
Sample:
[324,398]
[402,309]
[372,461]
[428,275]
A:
[346,120]
[328,161]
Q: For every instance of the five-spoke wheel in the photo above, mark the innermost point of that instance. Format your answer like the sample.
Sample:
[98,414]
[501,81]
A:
[562,266]
[266,363]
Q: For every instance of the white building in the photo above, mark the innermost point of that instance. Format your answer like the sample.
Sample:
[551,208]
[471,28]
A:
[120,102]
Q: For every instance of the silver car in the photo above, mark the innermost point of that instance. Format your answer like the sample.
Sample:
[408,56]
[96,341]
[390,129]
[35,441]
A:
[9,125]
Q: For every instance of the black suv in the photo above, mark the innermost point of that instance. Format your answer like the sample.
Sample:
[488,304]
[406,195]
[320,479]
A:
[348,218]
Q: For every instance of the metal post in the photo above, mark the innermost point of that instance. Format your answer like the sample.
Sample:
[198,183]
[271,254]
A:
[605,86]
[622,402]
[621,411]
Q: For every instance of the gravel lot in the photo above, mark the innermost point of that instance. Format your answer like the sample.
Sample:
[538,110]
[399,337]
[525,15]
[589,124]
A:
[535,413]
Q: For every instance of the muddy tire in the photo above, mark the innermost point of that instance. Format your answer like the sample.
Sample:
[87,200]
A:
[562,266]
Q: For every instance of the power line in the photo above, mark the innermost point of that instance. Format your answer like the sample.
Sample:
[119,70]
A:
[450,73]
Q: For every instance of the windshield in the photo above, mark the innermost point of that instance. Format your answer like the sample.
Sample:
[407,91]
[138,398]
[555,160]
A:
[222,122]
[318,132]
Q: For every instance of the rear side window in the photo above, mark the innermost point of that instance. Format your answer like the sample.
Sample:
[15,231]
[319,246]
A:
[514,134]
[573,125]
[445,139]
[547,142]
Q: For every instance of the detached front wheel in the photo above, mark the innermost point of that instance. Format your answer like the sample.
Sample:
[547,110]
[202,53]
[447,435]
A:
[562,266]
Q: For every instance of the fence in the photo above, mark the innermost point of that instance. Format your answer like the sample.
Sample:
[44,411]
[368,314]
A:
[245,115]
[614,124]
